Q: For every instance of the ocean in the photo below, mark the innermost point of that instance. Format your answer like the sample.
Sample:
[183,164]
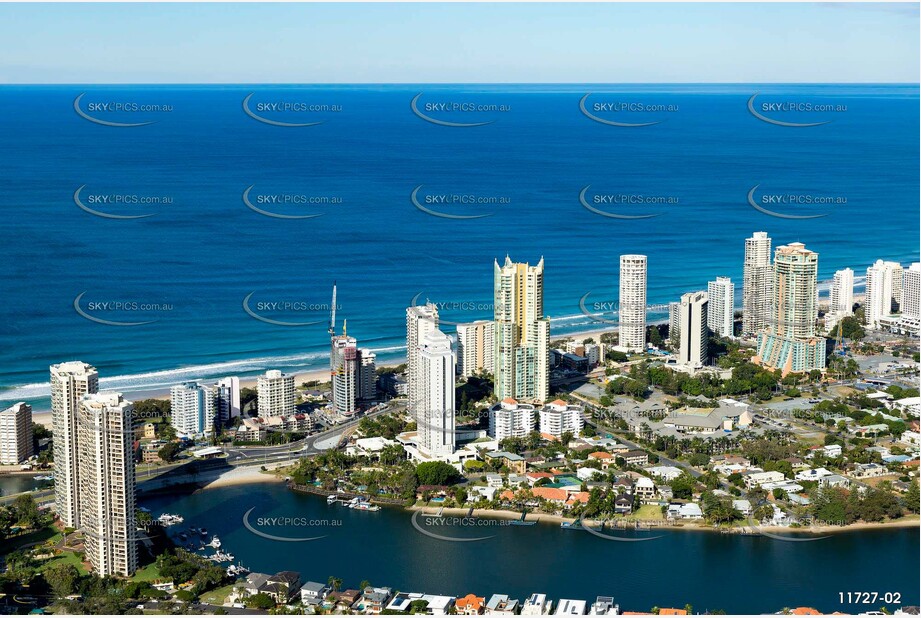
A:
[156,252]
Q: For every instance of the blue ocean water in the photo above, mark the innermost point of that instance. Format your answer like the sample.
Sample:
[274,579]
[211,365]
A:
[187,268]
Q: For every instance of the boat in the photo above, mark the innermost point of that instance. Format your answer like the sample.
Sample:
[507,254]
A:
[215,543]
[183,537]
[204,532]
[45,477]
[221,556]
[521,521]
[168,519]
[332,499]
[572,525]
[366,506]
[235,570]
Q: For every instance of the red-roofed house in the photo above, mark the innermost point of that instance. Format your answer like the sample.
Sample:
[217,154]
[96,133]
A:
[470,605]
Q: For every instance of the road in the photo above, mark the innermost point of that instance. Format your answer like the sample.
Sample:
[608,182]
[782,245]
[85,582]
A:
[251,455]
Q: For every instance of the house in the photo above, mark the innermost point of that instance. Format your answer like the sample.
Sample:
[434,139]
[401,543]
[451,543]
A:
[587,474]
[832,451]
[533,477]
[871,430]
[314,593]
[536,605]
[514,463]
[623,504]
[835,480]
[346,599]
[636,458]
[499,604]
[912,438]
[570,607]
[517,480]
[742,506]
[606,459]
[812,474]
[374,599]
[665,473]
[476,492]
[691,510]
[254,582]
[283,586]
[757,479]
[494,480]
[645,489]
[470,605]
[435,605]
[604,606]
[671,611]
[869,470]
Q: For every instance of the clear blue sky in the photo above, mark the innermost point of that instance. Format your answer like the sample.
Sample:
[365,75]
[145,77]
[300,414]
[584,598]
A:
[237,43]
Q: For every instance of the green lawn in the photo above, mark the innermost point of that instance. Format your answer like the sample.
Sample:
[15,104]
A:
[148,574]
[47,533]
[217,596]
[647,512]
[67,557]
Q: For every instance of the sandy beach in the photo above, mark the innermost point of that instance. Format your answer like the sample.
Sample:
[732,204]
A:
[246,475]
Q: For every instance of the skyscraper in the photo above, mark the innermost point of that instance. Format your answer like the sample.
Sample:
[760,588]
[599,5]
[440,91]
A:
[790,343]
[421,321]
[841,297]
[674,323]
[227,399]
[107,483]
[16,433]
[276,394]
[632,315]
[757,284]
[69,383]
[721,306]
[435,406]
[475,348]
[367,378]
[911,291]
[693,330]
[880,291]
[522,332]
[192,409]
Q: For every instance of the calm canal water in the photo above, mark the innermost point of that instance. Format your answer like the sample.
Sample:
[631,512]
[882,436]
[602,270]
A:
[708,570]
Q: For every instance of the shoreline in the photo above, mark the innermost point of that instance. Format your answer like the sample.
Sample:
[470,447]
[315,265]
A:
[252,475]
[43,416]
[905,522]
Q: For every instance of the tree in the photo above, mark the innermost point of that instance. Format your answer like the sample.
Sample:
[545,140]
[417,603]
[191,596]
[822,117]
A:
[334,582]
[912,497]
[259,601]
[436,473]
[169,451]
[26,511]
[62,578]
[683,486]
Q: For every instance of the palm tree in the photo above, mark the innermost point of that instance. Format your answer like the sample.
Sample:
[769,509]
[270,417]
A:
[335,582]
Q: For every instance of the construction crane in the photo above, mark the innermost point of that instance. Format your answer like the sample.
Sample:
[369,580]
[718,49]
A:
[332,314]
[840,348]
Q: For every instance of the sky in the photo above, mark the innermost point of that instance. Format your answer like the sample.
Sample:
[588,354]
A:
[459,43]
